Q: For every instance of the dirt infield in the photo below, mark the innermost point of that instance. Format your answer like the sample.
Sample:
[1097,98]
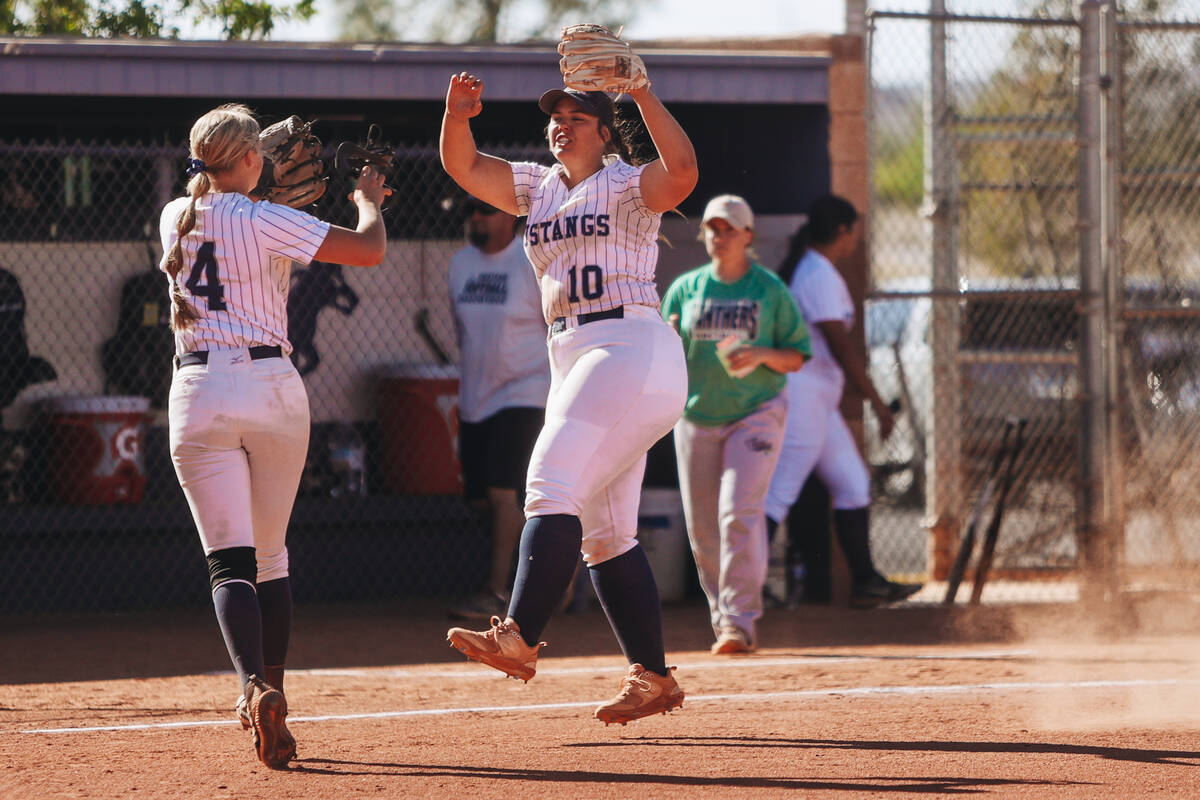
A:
[1025,703]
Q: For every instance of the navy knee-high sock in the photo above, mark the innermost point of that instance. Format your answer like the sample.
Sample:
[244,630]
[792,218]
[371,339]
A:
[629,596]
[854,535]
[241,625]
[275,603]
[549,554]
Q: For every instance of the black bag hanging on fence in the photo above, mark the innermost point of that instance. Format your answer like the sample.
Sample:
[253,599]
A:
[18,369]
[137,359]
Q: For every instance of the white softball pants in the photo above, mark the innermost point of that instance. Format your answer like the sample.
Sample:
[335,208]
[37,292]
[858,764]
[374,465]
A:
[817,438]
[724,472]
[616,387]
[239,436]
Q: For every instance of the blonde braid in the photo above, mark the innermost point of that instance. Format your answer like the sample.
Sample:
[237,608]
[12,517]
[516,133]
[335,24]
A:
[219,139]
[182,312]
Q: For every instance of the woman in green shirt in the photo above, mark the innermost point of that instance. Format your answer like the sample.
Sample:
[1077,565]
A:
[742,332]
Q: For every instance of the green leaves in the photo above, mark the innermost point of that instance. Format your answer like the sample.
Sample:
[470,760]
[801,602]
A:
[246,19]
[474,20]
[145,19]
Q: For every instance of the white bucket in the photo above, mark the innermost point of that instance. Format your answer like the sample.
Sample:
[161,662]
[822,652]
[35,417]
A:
[663,535]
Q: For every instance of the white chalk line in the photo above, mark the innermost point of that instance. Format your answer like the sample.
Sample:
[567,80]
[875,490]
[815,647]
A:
[742,662]
[852,691]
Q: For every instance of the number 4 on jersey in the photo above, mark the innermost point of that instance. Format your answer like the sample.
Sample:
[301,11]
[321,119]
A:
[211,290]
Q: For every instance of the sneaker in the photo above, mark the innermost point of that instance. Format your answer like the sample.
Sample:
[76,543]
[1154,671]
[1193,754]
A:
[731,641]
[642,693]
[287,742]
[485,605]
[502,647]
[262,710]
[879,591]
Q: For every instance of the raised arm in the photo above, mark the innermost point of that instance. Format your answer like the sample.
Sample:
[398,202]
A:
[669,180]
[366,245]
[486,177]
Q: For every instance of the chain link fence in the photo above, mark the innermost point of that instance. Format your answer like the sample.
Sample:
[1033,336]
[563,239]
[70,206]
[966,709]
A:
[91,513]
[1159,315]
[978,307]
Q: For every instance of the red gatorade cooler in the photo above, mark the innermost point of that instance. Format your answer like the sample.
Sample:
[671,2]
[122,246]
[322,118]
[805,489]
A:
[418,425]
[94,452]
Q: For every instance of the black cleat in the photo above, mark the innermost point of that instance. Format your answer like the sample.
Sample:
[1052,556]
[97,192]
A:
[879,591]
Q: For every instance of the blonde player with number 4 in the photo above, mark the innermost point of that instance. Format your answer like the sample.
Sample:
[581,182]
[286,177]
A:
[618,378]
[238,410]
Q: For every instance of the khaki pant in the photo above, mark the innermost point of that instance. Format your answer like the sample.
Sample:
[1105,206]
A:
[724,473]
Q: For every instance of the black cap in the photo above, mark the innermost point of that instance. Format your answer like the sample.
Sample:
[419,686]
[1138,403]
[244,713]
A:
[598,104]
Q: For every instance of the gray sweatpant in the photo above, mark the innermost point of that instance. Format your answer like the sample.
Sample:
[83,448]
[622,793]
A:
[724,473]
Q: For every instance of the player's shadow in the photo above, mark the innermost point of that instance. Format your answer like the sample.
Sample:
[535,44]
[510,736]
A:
[932,785]
[1175,757]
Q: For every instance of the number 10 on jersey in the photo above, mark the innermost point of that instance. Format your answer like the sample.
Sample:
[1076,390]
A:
[592,280]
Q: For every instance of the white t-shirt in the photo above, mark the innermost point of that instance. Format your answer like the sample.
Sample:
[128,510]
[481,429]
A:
[501,332]
[237,268]
[822,295]
[594,247]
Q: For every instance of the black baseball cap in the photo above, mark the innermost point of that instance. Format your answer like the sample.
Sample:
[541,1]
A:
[598,104]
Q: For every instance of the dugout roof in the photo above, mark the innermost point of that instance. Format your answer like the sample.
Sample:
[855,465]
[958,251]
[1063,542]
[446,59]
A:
[381,72]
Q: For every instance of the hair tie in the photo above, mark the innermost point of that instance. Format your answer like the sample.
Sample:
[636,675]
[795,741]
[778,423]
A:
[195,166]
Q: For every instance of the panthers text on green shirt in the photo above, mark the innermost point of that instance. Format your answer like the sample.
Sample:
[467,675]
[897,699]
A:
[759,309]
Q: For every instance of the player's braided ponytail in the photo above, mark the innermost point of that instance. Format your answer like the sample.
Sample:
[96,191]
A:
[218,139]
[826,217]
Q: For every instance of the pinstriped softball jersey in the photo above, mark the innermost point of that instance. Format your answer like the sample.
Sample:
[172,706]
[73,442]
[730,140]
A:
[593,247]
[237,265]
[618,384]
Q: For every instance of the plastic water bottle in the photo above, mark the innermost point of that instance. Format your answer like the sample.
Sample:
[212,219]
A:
[347,461]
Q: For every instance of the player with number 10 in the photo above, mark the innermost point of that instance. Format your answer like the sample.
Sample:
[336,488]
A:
[618,378]
[238,410]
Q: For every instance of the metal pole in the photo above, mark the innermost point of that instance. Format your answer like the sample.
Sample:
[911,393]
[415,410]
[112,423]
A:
[942,475]
[1091,513]
[1110,97]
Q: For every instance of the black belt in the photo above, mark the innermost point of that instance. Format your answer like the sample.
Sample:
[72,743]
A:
[256,352]
[560,323]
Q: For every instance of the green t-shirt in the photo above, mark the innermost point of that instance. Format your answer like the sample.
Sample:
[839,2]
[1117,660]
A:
[759,309]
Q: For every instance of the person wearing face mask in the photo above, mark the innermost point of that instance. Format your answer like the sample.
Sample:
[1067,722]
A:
[504,380]
[742,333]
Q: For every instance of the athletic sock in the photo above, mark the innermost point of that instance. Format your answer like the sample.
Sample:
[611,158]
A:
[549,553]
[854,534]
[275,602]
[236,605]
[629,596]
